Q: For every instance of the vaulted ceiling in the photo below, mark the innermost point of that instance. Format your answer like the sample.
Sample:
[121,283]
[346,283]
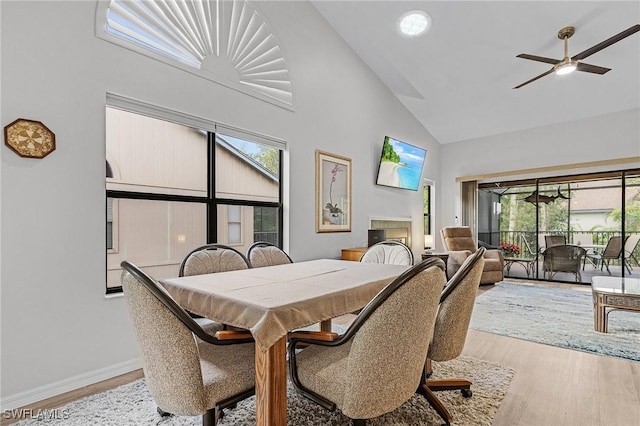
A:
[458,78]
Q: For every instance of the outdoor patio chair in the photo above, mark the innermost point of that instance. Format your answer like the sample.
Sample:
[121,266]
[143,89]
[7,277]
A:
[530,252]
[565,258]
[554,240]
[630,246]
[612,251]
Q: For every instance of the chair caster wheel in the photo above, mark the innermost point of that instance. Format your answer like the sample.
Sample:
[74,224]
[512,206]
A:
[467,393]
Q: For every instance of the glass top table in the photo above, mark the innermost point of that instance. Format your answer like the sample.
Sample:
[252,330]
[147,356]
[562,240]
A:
[613,293]
[528,263]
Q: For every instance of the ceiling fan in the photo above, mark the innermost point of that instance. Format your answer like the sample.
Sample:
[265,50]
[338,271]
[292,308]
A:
[567,65]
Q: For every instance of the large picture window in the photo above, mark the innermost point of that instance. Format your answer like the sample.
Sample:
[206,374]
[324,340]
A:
[173,187]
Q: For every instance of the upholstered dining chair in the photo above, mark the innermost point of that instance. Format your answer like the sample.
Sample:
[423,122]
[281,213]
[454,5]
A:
[209,259]
[564,258]
[262,253]
[388,251]
[376,365]
[459,243]
[186,376]
[612,251]
[450,331]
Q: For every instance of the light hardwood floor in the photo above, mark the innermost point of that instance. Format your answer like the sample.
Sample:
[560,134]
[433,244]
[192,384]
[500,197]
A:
[552,386]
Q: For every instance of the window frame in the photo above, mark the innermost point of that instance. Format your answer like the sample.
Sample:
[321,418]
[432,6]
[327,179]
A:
[210,200]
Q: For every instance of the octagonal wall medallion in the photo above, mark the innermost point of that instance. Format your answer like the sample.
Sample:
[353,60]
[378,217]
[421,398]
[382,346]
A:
[29,138]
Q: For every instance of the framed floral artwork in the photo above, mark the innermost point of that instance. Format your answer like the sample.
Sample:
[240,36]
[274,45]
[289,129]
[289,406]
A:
[333,193]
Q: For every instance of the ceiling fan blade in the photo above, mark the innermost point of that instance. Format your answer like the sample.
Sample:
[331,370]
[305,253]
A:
[608,42]
[592,68]
[538,58]
[534,79]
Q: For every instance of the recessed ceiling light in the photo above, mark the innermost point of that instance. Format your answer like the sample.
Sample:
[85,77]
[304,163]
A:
[414,23]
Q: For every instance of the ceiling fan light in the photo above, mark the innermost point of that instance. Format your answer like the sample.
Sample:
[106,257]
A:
[414,23]
[566,68]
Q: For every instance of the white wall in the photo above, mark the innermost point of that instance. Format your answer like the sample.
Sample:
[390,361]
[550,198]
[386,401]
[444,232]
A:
[606,137]
[57,327]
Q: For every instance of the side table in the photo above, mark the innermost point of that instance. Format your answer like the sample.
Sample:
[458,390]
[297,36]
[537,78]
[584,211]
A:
[443,256]
[610,294]
[354,253]
[528,263]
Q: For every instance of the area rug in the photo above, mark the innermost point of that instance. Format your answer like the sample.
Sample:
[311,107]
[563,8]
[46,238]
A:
[557,317]
[131,404]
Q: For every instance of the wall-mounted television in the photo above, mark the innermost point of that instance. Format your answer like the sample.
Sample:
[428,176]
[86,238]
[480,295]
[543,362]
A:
[400,164]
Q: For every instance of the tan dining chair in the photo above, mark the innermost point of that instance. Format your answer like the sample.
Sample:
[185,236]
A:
[376,365]
[390,252]
[450,331]
[262,253]
[210,259]
[186,376]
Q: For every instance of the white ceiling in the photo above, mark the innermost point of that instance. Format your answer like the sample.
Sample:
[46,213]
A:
[458,78]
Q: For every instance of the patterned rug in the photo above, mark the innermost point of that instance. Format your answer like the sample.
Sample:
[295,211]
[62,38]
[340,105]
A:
[131,404]
[557,317]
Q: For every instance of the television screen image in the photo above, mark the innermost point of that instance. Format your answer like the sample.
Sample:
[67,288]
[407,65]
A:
[400,164]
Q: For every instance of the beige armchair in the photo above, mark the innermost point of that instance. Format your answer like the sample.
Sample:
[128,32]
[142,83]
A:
[459,242]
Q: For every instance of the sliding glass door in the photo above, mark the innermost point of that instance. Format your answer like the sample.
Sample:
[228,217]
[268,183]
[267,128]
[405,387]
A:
[594,219]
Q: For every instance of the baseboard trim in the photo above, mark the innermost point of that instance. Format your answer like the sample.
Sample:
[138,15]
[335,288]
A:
[40,393]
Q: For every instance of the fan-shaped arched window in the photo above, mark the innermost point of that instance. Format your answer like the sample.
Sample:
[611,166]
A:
[225,41]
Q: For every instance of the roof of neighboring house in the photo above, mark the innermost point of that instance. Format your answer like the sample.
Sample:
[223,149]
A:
[607,198]
[246,158]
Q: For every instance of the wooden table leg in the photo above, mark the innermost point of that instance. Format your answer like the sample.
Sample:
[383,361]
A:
[271,385]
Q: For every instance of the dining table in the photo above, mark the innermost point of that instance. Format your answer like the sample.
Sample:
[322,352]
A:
[273,300]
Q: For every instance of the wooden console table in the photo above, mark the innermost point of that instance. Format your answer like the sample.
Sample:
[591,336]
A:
[353,253]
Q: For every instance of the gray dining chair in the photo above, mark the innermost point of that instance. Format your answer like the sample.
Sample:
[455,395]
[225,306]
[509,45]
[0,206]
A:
[186,376]
[376,365]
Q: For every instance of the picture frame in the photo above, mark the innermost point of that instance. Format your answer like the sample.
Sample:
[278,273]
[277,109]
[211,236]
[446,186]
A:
[29,138]
[333,192]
